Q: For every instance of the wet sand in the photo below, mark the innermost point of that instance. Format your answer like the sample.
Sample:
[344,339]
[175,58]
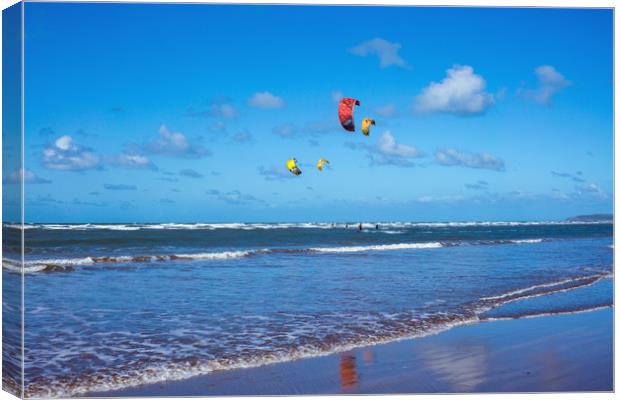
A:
[572,352]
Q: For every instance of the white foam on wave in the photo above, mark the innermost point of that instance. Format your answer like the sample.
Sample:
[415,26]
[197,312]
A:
[547,313]
[523,241]
[509,295]
[32,266]
[303,225]
[223,255]
[380,247]
[40,265]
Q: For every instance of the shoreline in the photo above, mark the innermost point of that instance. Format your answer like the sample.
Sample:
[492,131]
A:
[560,352]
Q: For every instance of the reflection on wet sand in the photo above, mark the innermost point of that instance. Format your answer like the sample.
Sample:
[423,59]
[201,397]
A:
[463,366]
[551,362]
[369,357]
[348,372]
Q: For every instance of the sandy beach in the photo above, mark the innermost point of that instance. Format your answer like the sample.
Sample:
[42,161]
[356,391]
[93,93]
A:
[570,352]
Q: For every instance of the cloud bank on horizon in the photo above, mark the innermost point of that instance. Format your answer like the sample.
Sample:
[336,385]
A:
[458,123]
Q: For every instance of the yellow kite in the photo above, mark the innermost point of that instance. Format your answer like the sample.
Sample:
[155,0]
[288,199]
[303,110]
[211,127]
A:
[366,122]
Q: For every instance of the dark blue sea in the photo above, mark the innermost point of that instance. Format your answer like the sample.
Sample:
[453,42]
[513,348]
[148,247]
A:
[111,306]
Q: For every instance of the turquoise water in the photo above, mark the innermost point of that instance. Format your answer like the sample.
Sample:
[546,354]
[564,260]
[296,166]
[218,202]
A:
[111,306]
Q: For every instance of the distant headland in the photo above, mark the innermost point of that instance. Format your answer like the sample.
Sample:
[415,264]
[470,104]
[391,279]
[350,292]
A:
[591,218]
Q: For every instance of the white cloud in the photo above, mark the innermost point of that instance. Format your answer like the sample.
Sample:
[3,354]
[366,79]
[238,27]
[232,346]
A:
[387,145]
[550,81]
[64,142]
[387,52]
[175,144]
[15,177]
[129,160]
[460,92]
[590,190]
[452,157]
[265,100]
[388,152]
[66,155]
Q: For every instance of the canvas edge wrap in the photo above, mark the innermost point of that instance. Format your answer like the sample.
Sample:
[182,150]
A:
[12,197]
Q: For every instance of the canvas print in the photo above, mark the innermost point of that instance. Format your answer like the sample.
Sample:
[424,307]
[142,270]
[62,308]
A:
[205,199]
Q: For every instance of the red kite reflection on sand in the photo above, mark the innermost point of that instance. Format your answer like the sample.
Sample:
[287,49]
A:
[348,373]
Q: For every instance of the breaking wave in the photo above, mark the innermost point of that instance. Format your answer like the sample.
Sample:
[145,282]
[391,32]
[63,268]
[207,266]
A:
[380,247]
[545,289]
[69,264]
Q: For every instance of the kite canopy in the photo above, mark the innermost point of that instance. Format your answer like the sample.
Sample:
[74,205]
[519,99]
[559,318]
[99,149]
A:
[366,122]
[320,164]
[345,113]
[291,165]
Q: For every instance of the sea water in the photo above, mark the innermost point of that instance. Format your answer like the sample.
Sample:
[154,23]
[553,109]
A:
[112,306]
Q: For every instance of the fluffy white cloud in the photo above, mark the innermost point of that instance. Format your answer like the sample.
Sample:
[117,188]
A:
[550,81]
[129,160]
[460,92]
[452,157]
[387,52]
[175,144]
[265,100]
[15,177]
[66,155]
[388,152]
[387,145]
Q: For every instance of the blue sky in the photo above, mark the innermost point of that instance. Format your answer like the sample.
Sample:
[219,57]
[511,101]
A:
[188,113]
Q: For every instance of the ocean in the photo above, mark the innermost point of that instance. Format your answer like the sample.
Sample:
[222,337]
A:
[109,306]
